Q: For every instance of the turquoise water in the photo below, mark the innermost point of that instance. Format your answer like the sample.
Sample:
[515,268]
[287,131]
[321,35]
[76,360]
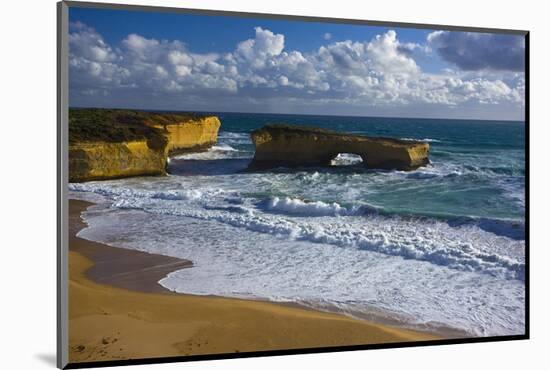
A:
[441,247]
[478,167]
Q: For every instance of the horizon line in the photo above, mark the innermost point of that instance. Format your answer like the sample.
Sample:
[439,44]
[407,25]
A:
[297,114]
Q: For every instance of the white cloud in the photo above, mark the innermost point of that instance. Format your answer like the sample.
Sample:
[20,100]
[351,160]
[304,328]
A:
[87,43]
[371,73]
[256,51]
[386,56]
[138,43]
[283,80]
[177,58]
[327,36]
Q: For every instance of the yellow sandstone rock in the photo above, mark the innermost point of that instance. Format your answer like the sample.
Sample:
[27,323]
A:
[115,143]
[102,160]
[292,146]
[191,135]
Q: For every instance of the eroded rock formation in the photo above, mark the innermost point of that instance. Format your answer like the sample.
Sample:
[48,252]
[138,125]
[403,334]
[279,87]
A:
[112,143]
[191,134]
[292,146]
[102,160]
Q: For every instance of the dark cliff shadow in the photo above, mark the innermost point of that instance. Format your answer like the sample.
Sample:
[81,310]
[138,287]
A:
[345,169]
[209,167]
[228,166]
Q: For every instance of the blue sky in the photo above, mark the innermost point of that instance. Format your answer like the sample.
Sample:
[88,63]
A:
[223,33]
[150,60]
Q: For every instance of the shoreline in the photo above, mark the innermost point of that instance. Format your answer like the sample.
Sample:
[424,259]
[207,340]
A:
[117,310]
[122,268]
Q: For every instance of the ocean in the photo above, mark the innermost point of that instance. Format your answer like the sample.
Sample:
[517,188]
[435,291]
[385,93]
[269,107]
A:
[441,248]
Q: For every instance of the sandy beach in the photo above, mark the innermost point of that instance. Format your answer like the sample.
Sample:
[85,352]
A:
[118,311]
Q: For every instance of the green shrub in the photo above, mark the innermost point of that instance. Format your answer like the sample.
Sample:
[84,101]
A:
[118,125]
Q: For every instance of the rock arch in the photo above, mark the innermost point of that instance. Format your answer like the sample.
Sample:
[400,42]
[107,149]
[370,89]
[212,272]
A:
[347,159]
[293,146]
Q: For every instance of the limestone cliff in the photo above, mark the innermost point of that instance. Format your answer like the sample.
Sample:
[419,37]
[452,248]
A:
[191,134]
[103,160]
[286,145]
[113,143]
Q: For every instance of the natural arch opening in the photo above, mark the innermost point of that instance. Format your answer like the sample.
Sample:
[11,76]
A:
[346,159]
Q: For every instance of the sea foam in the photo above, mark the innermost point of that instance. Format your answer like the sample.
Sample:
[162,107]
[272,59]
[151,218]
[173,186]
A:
[292,206]
[215,152]
[426,140]
[465,247]
[258,263]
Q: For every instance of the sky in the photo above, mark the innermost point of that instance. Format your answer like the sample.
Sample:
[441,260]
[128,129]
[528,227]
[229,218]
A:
[164,61]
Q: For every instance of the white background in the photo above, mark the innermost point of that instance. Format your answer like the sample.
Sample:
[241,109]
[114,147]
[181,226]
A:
[28,167]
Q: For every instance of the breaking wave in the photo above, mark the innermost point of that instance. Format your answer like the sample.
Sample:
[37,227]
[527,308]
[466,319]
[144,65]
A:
[466,246]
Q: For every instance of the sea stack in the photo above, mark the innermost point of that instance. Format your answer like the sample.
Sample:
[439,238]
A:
[294,146]
[113,143]
[189,134]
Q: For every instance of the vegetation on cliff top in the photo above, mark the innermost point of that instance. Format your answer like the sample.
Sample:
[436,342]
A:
[118,125]
[282,129]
